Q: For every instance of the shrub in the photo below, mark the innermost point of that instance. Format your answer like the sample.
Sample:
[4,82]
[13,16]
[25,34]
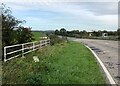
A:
[55,39]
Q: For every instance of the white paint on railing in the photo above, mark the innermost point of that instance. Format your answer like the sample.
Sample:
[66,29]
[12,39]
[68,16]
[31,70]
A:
[22,50]
[5,54]
[33,47]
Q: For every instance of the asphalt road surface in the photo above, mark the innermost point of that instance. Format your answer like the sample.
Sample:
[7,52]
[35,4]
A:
[107,51]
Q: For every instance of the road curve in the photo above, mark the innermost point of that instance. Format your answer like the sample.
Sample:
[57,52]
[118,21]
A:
[107,51]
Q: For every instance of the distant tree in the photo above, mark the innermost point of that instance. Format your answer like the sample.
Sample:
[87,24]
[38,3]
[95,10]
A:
[57,32]
[118,33]
[75,31]
[105,31]
[84,34]
[99,33]
[63,31]
[94,33]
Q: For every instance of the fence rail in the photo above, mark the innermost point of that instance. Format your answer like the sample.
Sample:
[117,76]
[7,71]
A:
[14,51]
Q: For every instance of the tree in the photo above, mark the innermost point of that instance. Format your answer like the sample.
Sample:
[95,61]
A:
[94,33]
[118,33]
[24,35]
[63,32]
[12,31]
[99,33]
[9,22]
[56,32]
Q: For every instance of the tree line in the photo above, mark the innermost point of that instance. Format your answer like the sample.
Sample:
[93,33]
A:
[84,34]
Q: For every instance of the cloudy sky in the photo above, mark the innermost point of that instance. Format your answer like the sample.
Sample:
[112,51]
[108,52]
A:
[77,14]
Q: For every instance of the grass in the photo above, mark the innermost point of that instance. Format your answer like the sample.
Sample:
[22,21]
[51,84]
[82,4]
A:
[37,35]
[65,63]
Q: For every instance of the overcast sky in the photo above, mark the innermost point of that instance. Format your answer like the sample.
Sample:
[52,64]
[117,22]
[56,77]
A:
[77,14]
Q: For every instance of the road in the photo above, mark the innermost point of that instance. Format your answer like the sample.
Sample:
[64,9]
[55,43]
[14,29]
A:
[107,51]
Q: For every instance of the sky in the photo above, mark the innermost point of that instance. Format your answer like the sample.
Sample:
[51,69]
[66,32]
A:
[69,14]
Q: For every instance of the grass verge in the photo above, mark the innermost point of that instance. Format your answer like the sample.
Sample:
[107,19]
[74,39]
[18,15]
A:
[65,63]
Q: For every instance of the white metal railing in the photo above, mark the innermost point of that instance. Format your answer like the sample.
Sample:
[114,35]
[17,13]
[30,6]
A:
[23,49]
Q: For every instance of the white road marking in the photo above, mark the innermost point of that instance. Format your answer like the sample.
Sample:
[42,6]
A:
[111,80]
[106,51]
[106,43]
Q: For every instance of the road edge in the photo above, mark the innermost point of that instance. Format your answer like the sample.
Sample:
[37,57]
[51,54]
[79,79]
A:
[111,80]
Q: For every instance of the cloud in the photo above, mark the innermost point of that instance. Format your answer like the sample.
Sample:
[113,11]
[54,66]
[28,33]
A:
[53,14]
[46,1]
[101,8]
[105,14]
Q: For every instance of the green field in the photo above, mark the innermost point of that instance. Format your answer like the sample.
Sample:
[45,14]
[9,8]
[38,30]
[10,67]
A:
[37,35]
[65,63]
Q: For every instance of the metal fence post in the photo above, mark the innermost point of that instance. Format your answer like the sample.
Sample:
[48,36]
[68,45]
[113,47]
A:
[5,54]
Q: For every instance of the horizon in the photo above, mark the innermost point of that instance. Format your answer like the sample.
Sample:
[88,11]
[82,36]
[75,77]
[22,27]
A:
[77,29]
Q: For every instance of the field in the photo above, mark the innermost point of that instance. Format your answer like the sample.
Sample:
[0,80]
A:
[65,63]
[37,35]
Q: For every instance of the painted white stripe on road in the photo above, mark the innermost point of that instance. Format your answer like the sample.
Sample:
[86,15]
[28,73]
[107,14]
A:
[103,66]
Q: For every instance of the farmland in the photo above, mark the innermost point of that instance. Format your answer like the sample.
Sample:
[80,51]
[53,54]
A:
[37,35]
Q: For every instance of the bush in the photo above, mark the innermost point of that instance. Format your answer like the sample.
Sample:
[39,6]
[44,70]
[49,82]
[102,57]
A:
[55,39]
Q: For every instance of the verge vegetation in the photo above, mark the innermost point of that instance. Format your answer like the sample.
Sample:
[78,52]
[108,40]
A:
[64,63]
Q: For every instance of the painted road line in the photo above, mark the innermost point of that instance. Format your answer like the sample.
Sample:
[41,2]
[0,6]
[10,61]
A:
[111,80]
